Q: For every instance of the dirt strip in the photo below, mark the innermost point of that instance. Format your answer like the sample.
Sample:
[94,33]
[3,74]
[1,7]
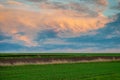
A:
[24,61]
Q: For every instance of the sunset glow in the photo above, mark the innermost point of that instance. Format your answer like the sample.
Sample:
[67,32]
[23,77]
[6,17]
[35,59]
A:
[60,25]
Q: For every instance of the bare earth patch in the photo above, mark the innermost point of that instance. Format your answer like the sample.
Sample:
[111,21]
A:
[24,61]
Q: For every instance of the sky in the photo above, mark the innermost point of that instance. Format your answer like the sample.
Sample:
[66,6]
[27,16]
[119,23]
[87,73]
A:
[60,26]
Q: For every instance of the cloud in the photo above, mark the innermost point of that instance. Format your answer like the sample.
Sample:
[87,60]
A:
[55,42]
[101,2]
[84,7]
[15,3]
[1,6]
[85,50]
[63,21]
[37,0]
[25,39]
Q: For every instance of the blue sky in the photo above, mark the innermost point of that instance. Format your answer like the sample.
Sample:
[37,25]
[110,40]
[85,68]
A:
[60,26]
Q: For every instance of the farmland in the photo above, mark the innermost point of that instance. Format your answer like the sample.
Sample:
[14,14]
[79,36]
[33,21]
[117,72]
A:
[54,55]
[76,71]
[98,66]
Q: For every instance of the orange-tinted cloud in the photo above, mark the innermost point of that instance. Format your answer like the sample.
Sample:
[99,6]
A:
[27,41]
[67,23]
[16,21]
[101,2]
[14,3]
[1,6]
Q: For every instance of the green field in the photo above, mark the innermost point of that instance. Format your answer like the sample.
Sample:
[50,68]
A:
[77,71]
[54,55]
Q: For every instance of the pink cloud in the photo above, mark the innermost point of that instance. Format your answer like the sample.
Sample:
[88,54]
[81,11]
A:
[14,3]
[67,23]
[1,6]
[101,2]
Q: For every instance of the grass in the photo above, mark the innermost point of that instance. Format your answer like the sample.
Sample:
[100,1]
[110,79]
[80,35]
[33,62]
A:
[54,55]
[77,71]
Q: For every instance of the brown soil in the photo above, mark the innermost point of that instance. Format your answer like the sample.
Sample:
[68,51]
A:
[22,61]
